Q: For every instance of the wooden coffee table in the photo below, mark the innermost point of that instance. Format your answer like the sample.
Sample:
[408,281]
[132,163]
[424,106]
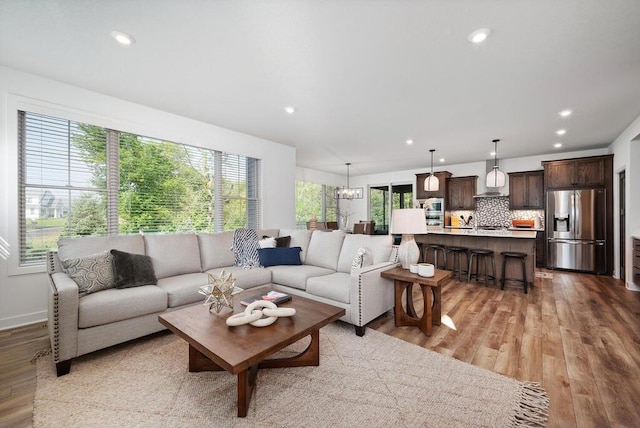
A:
[431,295]
[242,350]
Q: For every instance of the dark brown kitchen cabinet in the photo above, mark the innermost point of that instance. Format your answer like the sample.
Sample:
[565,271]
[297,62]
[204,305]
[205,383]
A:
[440,193]
[576,173]
[526,190]
[540,244]
[461,192]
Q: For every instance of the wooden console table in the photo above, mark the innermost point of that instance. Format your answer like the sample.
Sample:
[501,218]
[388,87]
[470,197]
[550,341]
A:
[431,295]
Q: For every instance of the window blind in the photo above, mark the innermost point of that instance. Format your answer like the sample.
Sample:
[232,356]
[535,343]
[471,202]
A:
[80,179]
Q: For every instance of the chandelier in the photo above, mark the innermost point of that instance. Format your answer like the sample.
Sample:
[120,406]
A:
[349,192]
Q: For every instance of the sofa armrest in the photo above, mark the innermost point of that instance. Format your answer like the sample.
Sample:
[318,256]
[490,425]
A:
[370,294]
[63,316]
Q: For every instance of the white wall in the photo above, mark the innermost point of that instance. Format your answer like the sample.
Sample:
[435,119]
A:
[626,157]
[23,292]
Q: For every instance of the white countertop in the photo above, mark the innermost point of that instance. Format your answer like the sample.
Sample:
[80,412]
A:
[504,233]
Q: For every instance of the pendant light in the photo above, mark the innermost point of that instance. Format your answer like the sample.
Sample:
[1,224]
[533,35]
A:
[496,178]
[349,192]
[431,184]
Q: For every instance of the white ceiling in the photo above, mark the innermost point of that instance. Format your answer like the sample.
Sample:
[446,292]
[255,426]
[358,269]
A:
[363,75]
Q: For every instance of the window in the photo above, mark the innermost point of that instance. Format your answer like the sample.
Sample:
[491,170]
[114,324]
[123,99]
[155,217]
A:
[79,179]
[380,207]
[315,199]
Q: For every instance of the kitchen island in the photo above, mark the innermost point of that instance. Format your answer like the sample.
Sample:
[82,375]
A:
[523,241]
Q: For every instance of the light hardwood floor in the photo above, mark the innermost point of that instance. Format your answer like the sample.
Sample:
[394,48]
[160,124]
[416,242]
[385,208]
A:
[576,334]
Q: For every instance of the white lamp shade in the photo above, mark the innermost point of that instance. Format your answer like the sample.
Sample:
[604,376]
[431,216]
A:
[431,184]
[496,178]
[408,221]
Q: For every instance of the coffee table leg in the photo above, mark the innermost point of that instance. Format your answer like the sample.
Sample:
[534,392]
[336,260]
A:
[198,362]
[246,385]
[308,357]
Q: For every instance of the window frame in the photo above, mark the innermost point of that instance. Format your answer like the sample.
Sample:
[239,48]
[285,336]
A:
[15,104]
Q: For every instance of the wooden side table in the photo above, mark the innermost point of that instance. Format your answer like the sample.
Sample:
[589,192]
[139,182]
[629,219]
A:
[431,295]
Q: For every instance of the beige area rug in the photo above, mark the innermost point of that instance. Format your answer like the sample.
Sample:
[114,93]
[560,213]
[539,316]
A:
[372,381]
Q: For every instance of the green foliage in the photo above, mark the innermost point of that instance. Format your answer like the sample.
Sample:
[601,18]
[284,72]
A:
[164,187]
[308,201]
[87,216]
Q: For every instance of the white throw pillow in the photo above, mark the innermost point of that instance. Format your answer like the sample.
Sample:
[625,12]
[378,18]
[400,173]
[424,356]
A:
[268,242]
[361,260]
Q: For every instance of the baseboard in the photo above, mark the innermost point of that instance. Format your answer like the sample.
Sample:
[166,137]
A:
[22,320]
[631,286]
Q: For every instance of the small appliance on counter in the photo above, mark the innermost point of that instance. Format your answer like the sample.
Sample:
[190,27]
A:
[524,224]
[433,211]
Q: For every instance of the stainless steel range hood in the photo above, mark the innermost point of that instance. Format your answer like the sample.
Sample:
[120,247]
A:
[492,192]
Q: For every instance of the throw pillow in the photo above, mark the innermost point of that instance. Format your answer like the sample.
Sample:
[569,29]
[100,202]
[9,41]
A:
[245,248]
[281,241]
[132,270]
[267,242]
[358,260]
[92,273]
[279,256]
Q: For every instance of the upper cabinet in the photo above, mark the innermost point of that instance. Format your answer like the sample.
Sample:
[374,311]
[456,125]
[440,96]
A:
[577,173]
[461,192]
[442,190]
[526,190]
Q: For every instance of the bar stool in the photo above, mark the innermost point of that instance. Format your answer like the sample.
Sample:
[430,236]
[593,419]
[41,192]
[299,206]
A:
[506,255]
[457,256]
[482,256]
[435,248]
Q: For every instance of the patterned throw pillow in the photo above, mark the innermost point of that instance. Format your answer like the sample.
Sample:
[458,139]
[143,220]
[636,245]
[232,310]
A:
[92,273]
[358,260]
[245,248]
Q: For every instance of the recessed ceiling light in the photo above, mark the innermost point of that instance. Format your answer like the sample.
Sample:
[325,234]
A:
[561,131]
[492,154]
[557,145]
[409,141]
[123,38]
[441,159]
[290,109]
[479,36]
[566,113]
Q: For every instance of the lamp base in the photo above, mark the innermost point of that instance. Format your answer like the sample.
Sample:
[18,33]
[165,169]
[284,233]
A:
[408,251]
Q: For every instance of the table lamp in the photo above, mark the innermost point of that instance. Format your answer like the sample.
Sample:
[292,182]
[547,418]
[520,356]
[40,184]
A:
[407,222]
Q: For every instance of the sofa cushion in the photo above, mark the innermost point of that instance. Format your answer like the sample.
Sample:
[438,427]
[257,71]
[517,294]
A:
[334,286]
[296,276]
[113,305]
[299,238]
[173,254]
[215,250]
[80,247]
[92,273]
[246,278]
[324,249]
[378,249]
[183,289]
[279,256]
[132,270]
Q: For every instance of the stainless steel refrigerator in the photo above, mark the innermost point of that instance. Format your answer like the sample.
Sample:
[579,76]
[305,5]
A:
[576,230]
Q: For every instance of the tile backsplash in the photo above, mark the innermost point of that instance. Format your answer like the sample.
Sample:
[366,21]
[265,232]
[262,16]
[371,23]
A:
[495,211]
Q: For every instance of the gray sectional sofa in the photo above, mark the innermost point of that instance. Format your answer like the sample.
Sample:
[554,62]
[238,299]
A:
[82,324]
